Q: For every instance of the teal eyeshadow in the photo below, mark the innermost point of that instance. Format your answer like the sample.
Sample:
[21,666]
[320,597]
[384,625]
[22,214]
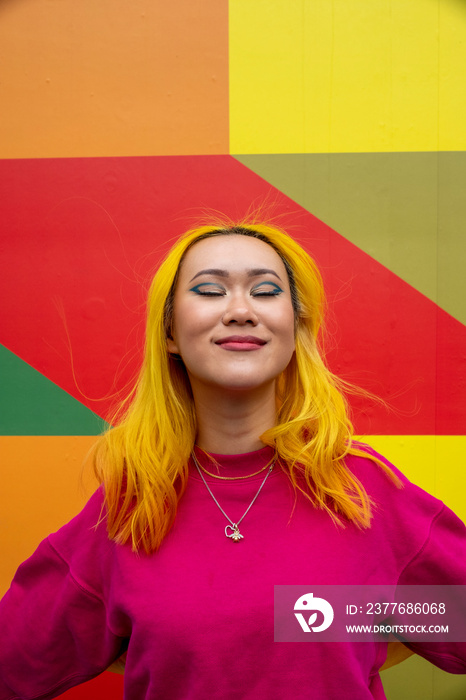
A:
[274,286]
[203,284]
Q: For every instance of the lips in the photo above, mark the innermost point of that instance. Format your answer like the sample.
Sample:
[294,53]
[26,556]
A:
[241,342]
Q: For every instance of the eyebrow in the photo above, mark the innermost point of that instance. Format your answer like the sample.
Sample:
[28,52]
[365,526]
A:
[255,272]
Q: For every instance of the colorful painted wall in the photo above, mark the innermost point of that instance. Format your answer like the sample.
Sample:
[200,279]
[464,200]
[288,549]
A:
[125,121]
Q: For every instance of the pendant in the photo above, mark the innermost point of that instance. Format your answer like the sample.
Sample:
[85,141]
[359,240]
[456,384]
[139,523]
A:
[236,535]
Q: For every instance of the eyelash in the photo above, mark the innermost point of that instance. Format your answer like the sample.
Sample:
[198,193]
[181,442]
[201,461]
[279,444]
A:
[272,293]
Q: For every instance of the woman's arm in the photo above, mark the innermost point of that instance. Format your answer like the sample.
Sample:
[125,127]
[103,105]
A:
[55,633]
[55,621]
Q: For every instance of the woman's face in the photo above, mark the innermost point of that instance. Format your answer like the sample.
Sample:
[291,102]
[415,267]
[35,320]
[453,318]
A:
[233,323]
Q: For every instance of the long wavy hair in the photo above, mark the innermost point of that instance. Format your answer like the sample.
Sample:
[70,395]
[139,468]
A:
[143,460]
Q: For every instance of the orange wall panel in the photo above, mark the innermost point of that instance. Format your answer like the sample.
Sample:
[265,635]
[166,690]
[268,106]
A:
[114,77]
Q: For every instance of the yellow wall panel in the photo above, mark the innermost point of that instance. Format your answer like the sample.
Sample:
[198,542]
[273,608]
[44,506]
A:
[452,75]
[329,77]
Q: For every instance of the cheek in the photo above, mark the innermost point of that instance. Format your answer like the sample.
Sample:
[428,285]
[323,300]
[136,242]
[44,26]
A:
[190,321]
[291,336]
[285,326]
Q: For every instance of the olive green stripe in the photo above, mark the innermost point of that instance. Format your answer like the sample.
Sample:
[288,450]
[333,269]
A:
[30,404]
[406,210]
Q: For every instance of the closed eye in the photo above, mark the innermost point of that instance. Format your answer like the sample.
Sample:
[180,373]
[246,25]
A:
[266,289]
[208,289]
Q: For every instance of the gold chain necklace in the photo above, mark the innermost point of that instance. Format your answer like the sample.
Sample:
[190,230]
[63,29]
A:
[233,478]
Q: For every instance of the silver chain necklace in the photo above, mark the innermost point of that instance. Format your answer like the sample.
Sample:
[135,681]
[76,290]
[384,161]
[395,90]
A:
[235,534]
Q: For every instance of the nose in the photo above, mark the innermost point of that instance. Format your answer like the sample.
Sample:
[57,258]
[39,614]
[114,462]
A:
[240,310]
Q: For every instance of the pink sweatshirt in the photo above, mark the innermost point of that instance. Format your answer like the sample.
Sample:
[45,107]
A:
[197,616]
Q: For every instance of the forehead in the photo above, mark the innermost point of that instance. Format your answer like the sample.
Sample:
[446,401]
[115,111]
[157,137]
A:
[233,253]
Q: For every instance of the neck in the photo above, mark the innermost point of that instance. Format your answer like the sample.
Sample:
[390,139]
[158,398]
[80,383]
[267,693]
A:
[232,423]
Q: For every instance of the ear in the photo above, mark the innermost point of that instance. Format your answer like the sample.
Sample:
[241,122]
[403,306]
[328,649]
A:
[172,347]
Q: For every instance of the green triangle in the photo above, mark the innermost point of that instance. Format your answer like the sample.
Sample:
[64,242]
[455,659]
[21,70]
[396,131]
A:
[30,404]
[405,210]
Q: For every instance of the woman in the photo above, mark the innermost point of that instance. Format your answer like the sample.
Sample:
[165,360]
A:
[230,469]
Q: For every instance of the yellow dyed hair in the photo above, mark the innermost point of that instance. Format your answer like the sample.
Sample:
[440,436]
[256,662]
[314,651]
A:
[143,460]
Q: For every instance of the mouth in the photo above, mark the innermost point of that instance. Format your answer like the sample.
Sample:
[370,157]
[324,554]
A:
[240,342]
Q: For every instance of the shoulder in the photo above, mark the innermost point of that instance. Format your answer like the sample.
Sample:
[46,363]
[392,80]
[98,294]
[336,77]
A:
[427,540]
[412,516]
[84,526]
